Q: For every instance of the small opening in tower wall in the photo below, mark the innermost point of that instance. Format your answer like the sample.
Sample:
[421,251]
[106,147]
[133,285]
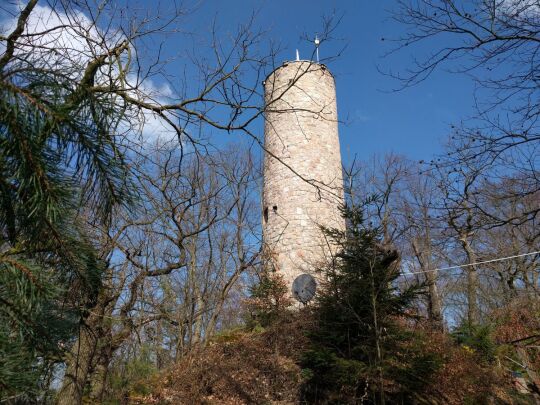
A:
[274,208]
[265,214]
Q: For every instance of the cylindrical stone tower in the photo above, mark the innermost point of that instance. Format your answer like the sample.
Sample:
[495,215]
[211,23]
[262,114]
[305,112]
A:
[303,184]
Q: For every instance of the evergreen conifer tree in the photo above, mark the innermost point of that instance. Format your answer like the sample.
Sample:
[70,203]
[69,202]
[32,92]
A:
[58,153]
[361,351]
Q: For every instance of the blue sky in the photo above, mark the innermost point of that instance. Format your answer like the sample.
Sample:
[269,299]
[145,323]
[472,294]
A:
[413,122]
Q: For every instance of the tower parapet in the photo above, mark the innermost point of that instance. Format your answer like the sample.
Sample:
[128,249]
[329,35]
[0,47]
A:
[303,183]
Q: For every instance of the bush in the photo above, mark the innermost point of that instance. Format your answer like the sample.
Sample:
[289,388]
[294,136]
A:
[245,368]
[477,338]
[269,300]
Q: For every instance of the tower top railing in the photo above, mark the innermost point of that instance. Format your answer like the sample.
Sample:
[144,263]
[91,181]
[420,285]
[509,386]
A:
[289,62]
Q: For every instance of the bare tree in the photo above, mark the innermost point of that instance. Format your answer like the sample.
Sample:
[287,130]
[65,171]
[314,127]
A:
[509,280]
[172,263]
[423,233]
[458,196]
[404,205]
[496,43]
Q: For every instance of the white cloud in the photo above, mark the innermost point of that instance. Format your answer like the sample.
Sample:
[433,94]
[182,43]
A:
[151,127]
[61,41]
[520,8]
[67,42]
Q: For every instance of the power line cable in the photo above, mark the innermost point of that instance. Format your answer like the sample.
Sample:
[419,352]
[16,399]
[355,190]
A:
[499,259]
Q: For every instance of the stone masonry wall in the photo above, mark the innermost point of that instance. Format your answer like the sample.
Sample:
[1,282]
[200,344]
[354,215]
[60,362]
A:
[305,188]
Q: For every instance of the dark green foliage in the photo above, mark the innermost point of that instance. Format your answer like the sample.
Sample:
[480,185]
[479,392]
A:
[269,299]
[411,363]
[58,158]
[32,327]
[39,317]
[361,347]
[477,338]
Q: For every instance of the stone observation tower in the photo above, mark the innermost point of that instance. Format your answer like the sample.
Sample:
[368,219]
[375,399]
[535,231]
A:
[303,184]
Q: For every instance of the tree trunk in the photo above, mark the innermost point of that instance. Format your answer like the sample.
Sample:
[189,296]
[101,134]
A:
[79,363]
[198,319]
[99,376]
[160,355]
[435,308]
[377,336]
[472,304]
[84,354]
[104,355]
[434,301]
[472,282]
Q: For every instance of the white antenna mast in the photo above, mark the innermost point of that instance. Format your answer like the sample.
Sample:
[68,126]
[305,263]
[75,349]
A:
[317,42]
[297,55]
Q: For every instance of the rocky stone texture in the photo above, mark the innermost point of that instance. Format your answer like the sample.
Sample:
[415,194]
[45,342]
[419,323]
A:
[303,184]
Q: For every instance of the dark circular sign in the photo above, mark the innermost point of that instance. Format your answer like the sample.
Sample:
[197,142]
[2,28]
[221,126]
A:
[304,287]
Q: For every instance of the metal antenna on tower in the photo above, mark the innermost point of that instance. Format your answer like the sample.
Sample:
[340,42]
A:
[297,55]
[317,42]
